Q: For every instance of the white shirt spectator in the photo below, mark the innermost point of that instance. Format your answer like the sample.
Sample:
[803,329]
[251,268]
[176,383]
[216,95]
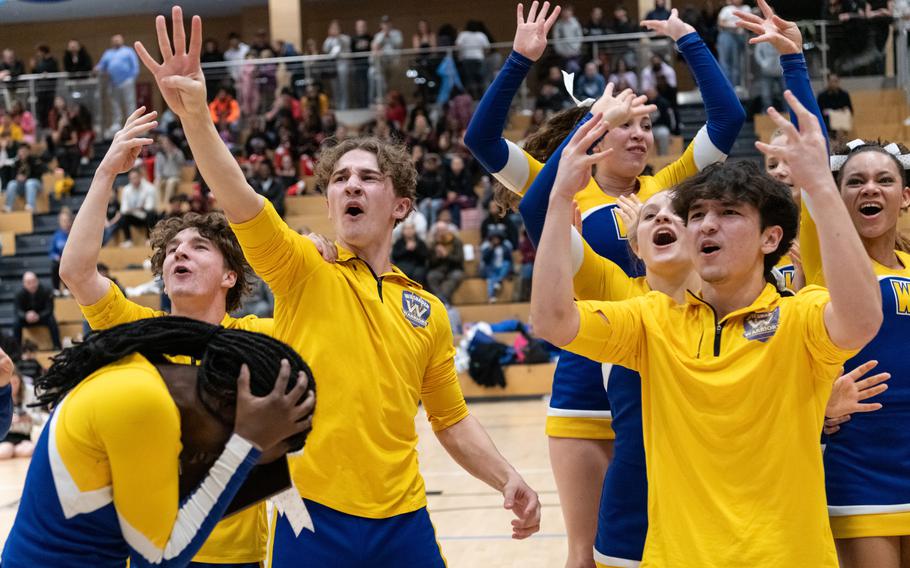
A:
[472,45]
[236,55]
[726,18]
[649,76]
[135,198]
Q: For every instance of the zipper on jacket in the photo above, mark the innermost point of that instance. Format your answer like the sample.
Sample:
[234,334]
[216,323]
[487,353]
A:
[378,279]
[718,329]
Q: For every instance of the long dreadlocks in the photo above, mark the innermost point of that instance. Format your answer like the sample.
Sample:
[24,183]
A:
[219,351]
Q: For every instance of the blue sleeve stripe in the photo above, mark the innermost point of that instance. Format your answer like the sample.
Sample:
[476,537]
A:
[484,134]
[796,77]
[725,113]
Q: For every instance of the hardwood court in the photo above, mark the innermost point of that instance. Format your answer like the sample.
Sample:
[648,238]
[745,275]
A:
[471,524]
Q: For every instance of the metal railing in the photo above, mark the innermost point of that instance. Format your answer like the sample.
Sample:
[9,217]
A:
[35,90]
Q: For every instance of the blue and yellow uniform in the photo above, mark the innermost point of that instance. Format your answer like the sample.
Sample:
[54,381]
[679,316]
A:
[6,409]
[732,410]
[242,538]
[103,483]
[579,406]
[380,345]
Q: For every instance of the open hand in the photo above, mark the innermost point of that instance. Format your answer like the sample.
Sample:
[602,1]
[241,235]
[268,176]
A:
[179,75]
[849,392]
[622,108]
[674,27]
[129,141]
[531,34]
[629,210]
[771,28]
[575,164]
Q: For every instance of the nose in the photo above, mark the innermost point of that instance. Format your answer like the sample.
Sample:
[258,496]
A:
[870,188]
[708,223]
[353,187]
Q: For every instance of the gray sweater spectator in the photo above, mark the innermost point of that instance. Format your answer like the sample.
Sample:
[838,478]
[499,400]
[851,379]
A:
[169,162]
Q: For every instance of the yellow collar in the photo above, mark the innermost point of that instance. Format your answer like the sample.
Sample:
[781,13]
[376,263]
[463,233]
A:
[345,255]
[763,303]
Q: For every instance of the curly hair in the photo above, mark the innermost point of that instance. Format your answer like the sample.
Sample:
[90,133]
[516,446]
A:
[744,182]
[878,145]
[214,227]
[394,161]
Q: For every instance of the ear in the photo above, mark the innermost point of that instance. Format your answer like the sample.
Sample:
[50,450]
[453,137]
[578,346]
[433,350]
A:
[402,208]
[770,239]
[228,279]
[905,198]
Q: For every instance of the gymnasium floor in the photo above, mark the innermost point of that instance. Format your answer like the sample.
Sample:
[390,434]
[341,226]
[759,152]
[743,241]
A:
[471,524]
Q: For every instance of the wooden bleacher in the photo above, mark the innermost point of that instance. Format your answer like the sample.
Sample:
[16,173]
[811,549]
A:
[474,291]
[7,243]
[16,222]
[521,380]
[132,277]
[117,258]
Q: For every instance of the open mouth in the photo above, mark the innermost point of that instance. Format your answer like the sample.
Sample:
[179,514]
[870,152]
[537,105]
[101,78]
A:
[353,211]
[638,150]
[182,270]
[664,237]
[709,248]
[869,209]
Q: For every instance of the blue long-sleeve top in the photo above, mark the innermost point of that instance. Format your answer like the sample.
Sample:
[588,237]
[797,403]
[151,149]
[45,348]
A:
[796,77]
[6,409]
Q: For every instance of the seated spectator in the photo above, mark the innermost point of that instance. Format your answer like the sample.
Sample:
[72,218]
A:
[85,131]
[446,262]
[18,441]
[63,144]
[496,222]
[287,174]
[591,84]
[138,201]
[169,162]
[416,218]
[410,254]
[495,262]
[460,192]
[27,172]
[431,187]
[622,77]
[35,306]
[528,253]
[225,112]
[268,185]
[9,128]
[835,102]
[8,151]
[58,241]
[24,119]
[112,219]
[178,205]
[656,68]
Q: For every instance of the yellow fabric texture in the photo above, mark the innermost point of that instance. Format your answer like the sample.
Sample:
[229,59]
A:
[120,427]
[735,474]
[242,537]
[377,347]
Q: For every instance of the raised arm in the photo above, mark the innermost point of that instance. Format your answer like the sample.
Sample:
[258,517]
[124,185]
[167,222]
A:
[854,313]
[79,262]
[182,84]
[502,158]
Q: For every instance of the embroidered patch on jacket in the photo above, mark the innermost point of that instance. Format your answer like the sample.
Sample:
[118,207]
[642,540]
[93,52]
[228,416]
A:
[415,309]
[762,325]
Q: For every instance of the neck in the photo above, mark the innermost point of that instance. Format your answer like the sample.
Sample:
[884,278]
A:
[881,249]
[208,312]
[731,295]
[614,185]
[376,253]
[674,284]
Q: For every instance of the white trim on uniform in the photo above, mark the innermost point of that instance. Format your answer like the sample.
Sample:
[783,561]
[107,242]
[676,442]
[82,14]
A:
[514,175]
[578,251]
[846,510]
[568,413]
[605,370]
[704,152]
[595,209]
[615,562]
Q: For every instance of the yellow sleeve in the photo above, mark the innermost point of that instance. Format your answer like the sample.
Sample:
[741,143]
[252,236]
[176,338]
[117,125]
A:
[254,323]
[671,174]
[810,250]
[279,255]
[115,309]
[139,425]
[610,332]
[599,278]
[811,302]
[441,392]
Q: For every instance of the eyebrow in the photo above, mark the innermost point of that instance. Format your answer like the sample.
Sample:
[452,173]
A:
[360,171]
[196,239]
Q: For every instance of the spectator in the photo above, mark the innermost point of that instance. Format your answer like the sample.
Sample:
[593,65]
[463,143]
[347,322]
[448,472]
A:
[138,201]
[528,253]
[446,262]
[657,68]
[10,66]
[169,162]
[416,218]
[835,102]
[9,128]
[385,45]
[58,241]
[621,22]
[336,45]
[495,222]
[731,42]
[35,306]
[261,43]
[361,43]
[121,65]
[225,112]
[214,78]
[24,120]
[597,26]
[396,109]
[235,54]
[472,45]
[45,89]
[663,121]
[27,172]
[496,262]
[248,86]
[769,75]
[8,151]
[431,187]
[267,80]
[424,38]
[622,77]
[268,185]
[591,84]
[410,254]
[567,35]
[177,206]
[659,12]
[460,192]
[290,179]
[76,59]
[64,145]
[112,218]
[259,302]
[18,440]
[82,123]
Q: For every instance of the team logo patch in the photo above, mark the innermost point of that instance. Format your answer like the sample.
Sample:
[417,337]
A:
[761,326]
[416,310]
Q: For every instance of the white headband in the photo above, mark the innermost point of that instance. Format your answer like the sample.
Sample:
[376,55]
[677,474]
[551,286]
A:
[568,79]
[837,162]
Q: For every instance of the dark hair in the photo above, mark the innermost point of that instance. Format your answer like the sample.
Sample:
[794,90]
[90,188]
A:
[744,182]
[540,145]
[878,145]
[220,353]
[214,227]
